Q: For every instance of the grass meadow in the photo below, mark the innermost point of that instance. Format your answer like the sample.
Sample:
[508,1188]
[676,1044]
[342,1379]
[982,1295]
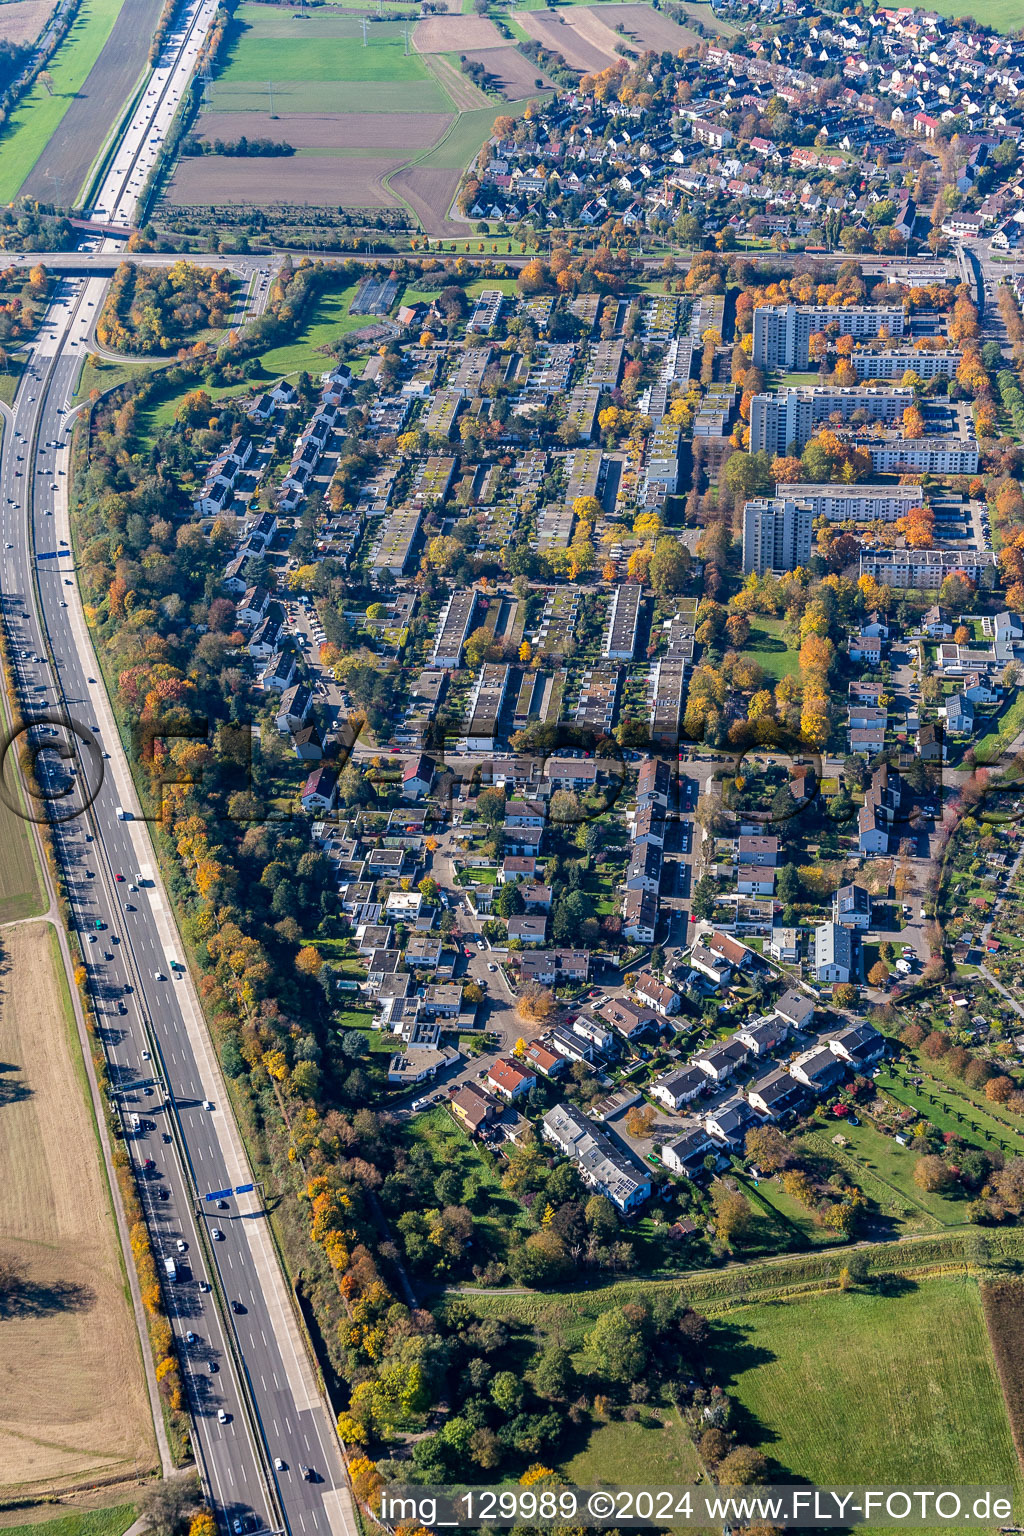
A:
[81,1522]
[860,1387]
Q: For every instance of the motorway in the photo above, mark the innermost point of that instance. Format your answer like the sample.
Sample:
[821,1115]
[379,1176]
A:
[257,1413]
[162,1023]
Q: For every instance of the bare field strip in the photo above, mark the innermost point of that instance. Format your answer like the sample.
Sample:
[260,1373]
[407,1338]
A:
[645,27]
[466,96]
[73,1403]
[21,21]
[454,34]
[551,28]
[322,181]
[1002,1302]
[406,131]
[67,159]
[518,75]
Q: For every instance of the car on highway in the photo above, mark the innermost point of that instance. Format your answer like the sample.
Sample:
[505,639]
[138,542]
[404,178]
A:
[280,1464]
[207,1103]
[181,1245]
[190,1337]
[217,1235]
[223,1417]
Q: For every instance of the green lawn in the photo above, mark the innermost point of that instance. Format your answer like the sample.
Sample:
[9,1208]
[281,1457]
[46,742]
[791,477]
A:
[329,319]
[1004,15]
[103,375]
[792,1215]
[885,1172]
[618,1453]
[495,1211]
[10,378]
[859,1388]
[464,138]
[83,1522]
[767,645]
[989,748]
[34,121]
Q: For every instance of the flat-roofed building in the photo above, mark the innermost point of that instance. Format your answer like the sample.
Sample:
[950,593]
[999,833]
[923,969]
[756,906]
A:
[924,569]
[782,332]
[935,455]
[453,628]
[777,535]
[394,546]
[485,706]
[894,363]
[859,503]
[623,622]
[786,422]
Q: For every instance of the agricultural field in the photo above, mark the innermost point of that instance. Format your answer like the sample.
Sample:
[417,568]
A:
[455,34]
[1003,1304]
[32,126]
[644,27]
[75,1405]
[839,1386]
[553,30]
[1003,15]
[21,890]
[511,72]
[390,123]
[21,21]
[113,1521]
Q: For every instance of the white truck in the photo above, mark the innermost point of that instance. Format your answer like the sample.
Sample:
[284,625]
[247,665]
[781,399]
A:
[170,1269]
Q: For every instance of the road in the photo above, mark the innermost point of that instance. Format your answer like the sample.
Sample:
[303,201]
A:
[42,610]
[251,1389]
[139,145]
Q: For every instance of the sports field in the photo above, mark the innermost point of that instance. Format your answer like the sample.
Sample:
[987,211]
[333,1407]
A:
[862,1388]
[37,117]
[73,1403]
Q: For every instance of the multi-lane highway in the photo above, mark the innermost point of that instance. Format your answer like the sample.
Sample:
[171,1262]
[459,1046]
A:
[264,1440]
[160,1037]
[139,145]
[154,1031]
